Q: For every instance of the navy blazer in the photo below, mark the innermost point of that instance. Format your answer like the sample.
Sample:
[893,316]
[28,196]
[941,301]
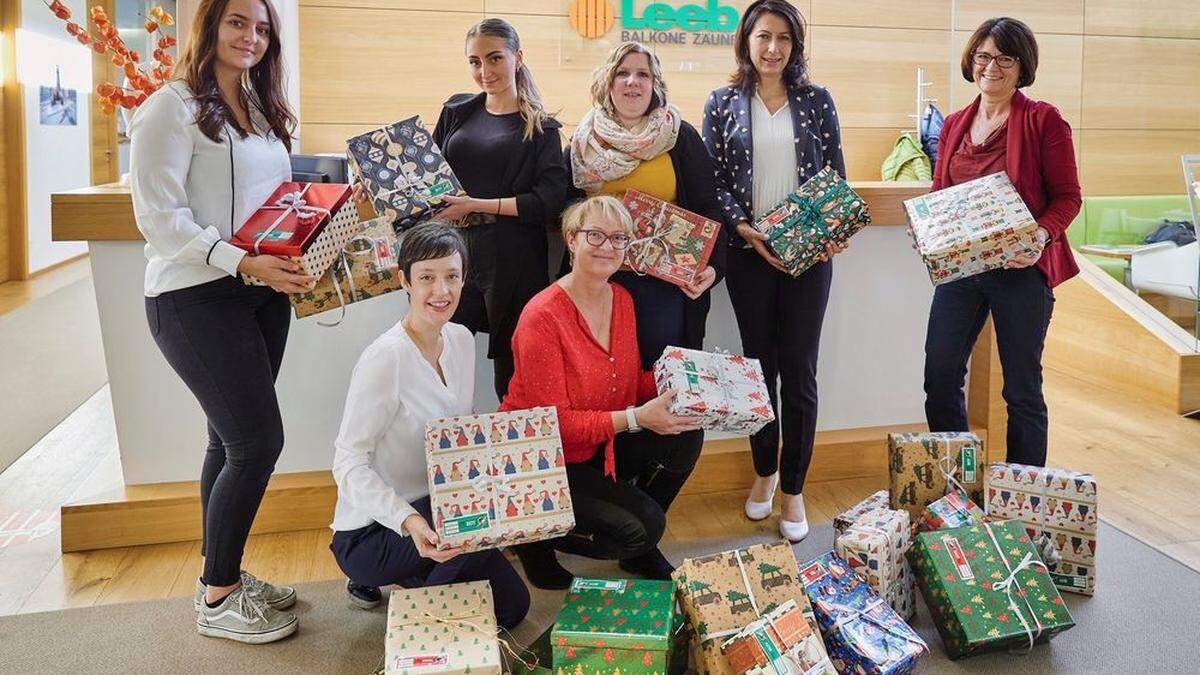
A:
[727,135]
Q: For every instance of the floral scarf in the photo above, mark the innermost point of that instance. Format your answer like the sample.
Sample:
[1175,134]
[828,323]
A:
[602,150]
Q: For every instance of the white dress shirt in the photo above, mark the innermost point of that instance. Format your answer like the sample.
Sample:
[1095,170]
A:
[379,457]
[190,192]
[774,154]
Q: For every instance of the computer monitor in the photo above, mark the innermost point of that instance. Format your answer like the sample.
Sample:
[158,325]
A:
[327,168]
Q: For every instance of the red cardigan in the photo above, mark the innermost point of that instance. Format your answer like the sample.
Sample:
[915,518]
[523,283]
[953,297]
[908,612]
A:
[1041,165]
[559,363]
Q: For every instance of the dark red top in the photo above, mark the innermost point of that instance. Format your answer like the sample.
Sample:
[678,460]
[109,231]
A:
[1040,162]
[559,363]
[972,161]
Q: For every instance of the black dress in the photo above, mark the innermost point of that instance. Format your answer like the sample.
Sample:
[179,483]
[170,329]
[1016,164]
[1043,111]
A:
[507,259]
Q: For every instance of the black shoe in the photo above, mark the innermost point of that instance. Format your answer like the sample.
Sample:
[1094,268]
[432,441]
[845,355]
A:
[651,565]
[541,567]
[363,597]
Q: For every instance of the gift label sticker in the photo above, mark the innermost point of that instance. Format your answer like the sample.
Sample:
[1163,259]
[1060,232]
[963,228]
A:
[812,574]
[440,188]
[420,661]
[967,462]
[959,558]
[616,585]
[472,522]
[1071,580]
[276,235]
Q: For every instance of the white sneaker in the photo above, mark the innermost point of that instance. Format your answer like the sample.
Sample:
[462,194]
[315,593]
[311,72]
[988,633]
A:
[278,597]
[760,510]
[794,530]
[245,617]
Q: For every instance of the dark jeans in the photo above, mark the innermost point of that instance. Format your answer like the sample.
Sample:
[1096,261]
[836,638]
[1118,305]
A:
[658,465]
[1020,304]
[377,556]
[779,318]
[225,340]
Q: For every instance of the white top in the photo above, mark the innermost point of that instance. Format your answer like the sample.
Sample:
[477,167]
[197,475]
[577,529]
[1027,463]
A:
[774,152]
[379,457]
[184,197]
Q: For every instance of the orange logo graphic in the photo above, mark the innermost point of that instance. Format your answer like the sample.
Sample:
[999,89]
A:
[592,18]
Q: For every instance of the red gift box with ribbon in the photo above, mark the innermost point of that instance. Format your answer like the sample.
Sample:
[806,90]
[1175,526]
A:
[669,243]
[291,219]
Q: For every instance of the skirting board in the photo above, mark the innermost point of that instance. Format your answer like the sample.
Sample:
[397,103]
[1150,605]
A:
[170,512]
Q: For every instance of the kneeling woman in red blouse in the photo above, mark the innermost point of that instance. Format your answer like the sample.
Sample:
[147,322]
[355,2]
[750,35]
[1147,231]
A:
[575,348]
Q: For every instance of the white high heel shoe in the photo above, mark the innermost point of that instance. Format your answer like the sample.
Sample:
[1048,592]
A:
[760,510]
[794,530]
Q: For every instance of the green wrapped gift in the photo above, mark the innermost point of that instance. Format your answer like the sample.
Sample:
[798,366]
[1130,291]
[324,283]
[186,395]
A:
[987,589]
[614,626]
[825,209]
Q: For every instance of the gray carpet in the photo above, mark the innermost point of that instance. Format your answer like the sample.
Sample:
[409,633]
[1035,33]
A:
[58,355]
[1142,620]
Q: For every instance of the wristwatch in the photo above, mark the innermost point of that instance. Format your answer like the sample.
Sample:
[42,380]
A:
[631,420]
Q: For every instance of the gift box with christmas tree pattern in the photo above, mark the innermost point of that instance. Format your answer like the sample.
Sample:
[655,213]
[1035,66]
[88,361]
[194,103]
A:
[615,626]
[442,629]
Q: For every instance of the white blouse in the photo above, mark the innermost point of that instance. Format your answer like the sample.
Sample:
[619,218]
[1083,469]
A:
[379,456]
[189,192]
[774,173]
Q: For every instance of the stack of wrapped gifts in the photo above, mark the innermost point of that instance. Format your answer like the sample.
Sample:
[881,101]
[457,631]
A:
[923,467]
[442,629]
[497,479]
[822,211]
[726,392]
[612,626]
[971,228]
[367,267]
[669,243]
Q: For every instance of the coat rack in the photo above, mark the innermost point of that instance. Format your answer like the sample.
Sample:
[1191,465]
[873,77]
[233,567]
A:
[921,100]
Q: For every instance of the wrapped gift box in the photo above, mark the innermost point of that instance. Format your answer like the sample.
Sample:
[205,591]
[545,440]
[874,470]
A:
[612,626]
[825,209]
[725,391]
[876,547]
[497,479]
[845,519]
[442,629]
[862,633]
[919,463]
[307,222]
[723,593]
[367,267]
[986,588]
[971,228]
[403,171]
[669,243]
[1058,508]
[953,510]
[773,645]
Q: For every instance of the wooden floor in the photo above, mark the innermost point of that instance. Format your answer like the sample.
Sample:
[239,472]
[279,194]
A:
[1147,464]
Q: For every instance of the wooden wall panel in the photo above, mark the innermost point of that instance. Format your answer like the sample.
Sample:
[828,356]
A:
[4,238]
[1060,64]
[865,147]
[1141,83]
[1060,16]
[14,250]
[1133,162]
[870,13]
[1161,18]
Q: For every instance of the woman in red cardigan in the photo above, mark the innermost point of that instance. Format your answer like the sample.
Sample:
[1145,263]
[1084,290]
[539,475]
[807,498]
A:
[1003,130]
[575,348]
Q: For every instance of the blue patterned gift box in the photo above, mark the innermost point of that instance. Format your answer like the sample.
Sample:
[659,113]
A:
[862,633]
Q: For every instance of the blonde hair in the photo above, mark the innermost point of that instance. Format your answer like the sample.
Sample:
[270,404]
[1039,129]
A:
[601,206]
[607,72]
[529,99]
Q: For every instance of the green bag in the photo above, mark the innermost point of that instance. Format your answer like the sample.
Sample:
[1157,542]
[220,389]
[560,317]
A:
[906,161]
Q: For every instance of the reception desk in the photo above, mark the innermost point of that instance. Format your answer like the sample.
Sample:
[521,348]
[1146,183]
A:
[870,368]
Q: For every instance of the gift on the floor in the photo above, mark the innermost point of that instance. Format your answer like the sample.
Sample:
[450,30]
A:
[1058,508]
[971,228]
[771,645]
[845,519]
[862,633]
[669,243]
[442,629]
[497,479]
[724,593]
[986,588]
[367,267]
[307,222]
[876,546]
[953,510]
[404,172]
[726,392]
[612,626]
[923,467]
[825,209]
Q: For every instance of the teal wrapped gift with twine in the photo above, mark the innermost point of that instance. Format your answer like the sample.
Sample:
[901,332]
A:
[825,209]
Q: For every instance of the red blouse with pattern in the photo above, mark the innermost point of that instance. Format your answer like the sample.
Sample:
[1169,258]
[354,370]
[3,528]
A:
[558,362]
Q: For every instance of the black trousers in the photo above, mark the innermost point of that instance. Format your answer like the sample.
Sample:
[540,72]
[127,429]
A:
[225,340]
[1020,304]
[779,318]
[377,556]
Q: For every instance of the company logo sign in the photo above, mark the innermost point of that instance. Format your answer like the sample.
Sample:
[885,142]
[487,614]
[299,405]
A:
[658,22]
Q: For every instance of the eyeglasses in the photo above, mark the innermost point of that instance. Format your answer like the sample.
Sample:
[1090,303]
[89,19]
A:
[1004,61]
[619,240]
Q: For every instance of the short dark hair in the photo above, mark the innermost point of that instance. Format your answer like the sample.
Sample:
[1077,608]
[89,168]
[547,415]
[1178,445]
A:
[1012,37]
[795,73]
[429,241]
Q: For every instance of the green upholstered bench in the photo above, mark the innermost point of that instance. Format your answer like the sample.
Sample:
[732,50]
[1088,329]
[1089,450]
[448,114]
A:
[1122,221]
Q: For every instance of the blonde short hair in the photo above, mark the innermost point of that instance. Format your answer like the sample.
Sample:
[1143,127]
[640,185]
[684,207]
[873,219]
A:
[604,76]
[601,206]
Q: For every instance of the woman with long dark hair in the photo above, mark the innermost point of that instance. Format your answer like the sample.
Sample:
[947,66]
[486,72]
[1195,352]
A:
[206,150]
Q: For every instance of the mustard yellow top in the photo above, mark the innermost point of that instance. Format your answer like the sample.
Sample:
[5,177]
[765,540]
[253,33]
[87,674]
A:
[655,177]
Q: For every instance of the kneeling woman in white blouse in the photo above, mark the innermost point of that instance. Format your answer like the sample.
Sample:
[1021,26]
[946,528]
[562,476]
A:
[421,369]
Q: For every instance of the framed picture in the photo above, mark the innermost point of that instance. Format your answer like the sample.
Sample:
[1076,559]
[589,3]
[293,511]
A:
[58,107]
